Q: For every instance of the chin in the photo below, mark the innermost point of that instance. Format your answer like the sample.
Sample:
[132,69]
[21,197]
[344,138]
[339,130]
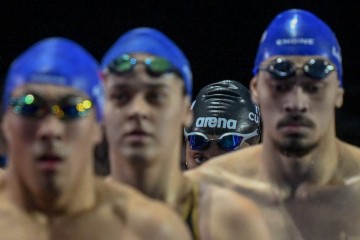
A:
[139,155]
[295,146]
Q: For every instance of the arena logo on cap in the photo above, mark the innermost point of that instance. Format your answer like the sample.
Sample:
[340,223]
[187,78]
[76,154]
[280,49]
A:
[214,122]
[295,41]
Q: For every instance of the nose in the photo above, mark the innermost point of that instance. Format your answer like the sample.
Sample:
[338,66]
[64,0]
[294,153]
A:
[139,108]
[214,150]
[51,128]
[296,101]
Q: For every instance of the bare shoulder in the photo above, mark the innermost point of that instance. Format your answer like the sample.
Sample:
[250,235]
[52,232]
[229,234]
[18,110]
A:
[349,156]
[242,163]
[226,214]
[148,218]
[349,151]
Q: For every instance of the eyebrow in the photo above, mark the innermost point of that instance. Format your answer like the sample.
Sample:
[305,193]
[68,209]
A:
[149,85]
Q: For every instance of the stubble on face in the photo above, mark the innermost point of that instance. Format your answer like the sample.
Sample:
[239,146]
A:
[295,144]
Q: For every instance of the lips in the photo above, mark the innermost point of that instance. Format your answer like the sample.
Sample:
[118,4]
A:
[49,162]
[295,124]
[136,136]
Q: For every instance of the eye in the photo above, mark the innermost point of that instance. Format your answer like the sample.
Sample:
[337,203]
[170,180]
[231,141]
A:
[312,87]
[281,87]
[200,159]
[156,97]
[120,97]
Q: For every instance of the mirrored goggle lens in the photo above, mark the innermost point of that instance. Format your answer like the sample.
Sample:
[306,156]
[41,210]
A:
[318,68]
[281,69]
[28,106]
[230,142]
[315,68]
[197,142]
[227,143]
[35,107]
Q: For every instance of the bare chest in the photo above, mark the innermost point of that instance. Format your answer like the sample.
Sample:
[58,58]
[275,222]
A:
[96,225]
[333,216]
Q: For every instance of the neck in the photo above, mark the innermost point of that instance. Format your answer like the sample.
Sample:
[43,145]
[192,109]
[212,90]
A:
[159,178]
[66,200]
[318,167]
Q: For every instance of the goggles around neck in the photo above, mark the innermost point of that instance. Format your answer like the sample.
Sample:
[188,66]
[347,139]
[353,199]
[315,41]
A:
[281,68]
[155,66]
[227,141]
[68,108]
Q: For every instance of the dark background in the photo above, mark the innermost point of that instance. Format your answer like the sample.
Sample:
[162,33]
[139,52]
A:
[219,37]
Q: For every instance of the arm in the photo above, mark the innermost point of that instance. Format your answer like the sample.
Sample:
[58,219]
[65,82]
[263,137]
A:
[225,214]
[152,220]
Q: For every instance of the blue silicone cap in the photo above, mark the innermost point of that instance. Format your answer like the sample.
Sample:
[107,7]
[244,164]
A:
[57,61]
[299,32]
[151,41]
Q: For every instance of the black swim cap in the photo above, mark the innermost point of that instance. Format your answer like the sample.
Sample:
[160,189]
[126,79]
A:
[223,107]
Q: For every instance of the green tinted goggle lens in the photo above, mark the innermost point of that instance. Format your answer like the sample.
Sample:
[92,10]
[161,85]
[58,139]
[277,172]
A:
[155,66]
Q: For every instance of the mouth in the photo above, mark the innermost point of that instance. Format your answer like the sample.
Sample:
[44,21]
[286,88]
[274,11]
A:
[49,162]
[137,136]
[295,124]
[294,128]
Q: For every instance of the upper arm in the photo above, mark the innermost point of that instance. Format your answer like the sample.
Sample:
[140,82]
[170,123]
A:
[157,221]
[228,215]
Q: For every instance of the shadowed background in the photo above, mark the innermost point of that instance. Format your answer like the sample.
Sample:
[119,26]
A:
[220,37]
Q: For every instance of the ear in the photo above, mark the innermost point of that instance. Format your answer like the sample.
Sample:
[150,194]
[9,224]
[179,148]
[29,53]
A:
[103,74]
[2,137]
[339,97]
[188,114]
[254,89]
[4,129]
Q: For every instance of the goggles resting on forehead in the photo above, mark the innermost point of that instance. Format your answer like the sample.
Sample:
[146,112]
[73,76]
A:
[281,68]
[36,107]
[227,141]
[155,66]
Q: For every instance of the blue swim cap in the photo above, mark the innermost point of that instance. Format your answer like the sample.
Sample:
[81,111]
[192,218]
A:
[57,61]
[299,32]
[151,41]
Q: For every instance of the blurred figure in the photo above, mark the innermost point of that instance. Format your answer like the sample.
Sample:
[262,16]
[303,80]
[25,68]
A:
[225,119]
[3,160]
[53,107]
[148,87]
[304,178]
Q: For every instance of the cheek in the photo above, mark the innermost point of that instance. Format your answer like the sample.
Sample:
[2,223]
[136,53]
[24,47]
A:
[190,162]
[20,131]
[81,132]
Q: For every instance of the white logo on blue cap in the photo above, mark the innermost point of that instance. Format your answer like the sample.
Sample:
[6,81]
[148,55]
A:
[47,78]
[295,41]
[336,53]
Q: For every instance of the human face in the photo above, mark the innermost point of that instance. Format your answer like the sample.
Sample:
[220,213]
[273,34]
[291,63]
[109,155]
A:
[299,111]
[48,154]
[195,158]
[144,114]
